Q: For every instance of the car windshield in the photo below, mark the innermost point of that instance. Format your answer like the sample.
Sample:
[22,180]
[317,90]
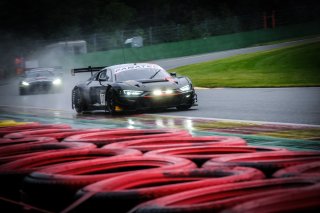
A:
[34,74]
[141,74]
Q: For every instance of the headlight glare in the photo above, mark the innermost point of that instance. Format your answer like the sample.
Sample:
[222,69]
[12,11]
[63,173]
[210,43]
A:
[157,92]
[24,83]
[57,81]
[169,91]
[185,88]
[132,92]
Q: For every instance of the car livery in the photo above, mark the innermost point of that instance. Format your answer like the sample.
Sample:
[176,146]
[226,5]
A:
[40,80]
[131,87]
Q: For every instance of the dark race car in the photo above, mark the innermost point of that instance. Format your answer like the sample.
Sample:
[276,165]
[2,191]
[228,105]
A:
[130,87]
[40,80]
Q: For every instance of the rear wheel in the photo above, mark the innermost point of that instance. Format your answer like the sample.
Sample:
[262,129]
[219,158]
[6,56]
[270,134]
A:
[78,101]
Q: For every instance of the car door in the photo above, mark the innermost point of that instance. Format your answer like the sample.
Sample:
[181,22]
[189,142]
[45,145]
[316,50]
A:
[98,87]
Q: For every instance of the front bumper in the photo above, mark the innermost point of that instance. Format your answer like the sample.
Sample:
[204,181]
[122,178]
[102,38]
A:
[156,102]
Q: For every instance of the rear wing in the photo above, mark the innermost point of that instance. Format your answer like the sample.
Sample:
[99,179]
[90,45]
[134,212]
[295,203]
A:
[86,69]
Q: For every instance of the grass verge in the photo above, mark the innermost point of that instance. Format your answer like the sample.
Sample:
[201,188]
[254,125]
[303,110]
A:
[284,67]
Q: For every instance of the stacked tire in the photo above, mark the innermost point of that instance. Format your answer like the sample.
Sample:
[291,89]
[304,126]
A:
[56,168]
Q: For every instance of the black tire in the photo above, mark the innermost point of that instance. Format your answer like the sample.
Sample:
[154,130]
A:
[184,107]
[22,92]
[110,99]
[78,101]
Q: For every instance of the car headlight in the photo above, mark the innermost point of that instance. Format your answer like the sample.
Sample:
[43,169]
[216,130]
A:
[24,83]
[132,92]
[185,88]
[57,81]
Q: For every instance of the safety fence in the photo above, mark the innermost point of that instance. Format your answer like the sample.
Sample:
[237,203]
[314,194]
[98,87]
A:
[57,168]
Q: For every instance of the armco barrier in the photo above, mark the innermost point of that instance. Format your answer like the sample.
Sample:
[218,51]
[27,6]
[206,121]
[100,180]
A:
[196,46]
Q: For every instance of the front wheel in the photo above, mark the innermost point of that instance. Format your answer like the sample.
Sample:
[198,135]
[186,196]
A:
[110,99]
[184,107]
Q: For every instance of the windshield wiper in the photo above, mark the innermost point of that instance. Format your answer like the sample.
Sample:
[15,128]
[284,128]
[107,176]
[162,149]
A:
[154,74]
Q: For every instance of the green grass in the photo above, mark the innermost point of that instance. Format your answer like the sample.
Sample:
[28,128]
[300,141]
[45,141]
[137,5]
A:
[285,67]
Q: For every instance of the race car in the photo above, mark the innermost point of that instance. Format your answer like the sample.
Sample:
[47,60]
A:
[40,80]
[132,87]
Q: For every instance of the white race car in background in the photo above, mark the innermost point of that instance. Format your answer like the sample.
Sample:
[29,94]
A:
[40,80]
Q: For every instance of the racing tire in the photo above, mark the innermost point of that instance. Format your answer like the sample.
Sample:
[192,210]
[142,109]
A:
[32,139]
[110,100]
[176,141]
[308,170]
[22,92]
[268,162]
[13,173]
[219,197]
[19,151]
[64,180]
[184,107]
[78,101]
[201,154]
[299,200]
[135,188]
[116,135]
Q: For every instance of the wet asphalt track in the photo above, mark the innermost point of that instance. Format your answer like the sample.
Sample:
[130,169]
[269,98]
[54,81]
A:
[285,105]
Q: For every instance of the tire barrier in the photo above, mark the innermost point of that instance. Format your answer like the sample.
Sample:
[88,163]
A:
[12,173]
[298,200]
[122,193]
[217,198]
[31,126]
[75,175]
[19,151]
[8,141]
[150,144]
[62,181]
[268,162]
[308,170]
[112,136]
[58,134]
[201,154]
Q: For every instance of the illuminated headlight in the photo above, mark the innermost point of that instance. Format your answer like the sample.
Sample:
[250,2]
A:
[185,88]
[168,91]
[24,83]
[132,92]
[157,92]
[57,81]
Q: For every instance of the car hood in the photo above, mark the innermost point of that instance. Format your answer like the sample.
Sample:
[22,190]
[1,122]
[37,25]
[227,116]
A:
[148,85]
[40,78]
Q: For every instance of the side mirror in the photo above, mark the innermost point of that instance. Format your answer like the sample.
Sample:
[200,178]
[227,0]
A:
[173,74]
